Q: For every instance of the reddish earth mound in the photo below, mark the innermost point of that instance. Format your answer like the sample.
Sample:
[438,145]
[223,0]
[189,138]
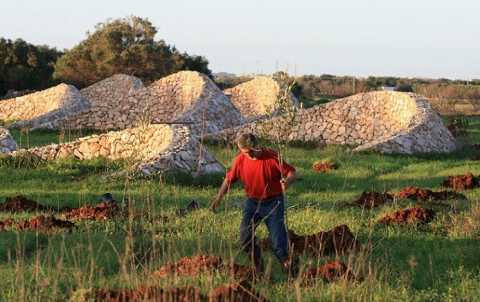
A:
[235,292]
[186,294]
[409,216]
[324,166]
[102,211]
[192,266]
[425,194]
[39,223]
[461,182]
[338,240]
[20,203]
[373,199]
[329,272]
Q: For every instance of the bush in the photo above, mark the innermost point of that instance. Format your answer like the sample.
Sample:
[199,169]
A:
[126,46]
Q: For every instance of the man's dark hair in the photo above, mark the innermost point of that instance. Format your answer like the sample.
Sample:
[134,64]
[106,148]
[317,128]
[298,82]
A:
[246,140]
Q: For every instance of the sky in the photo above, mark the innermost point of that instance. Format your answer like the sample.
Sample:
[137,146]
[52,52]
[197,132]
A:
[409,38]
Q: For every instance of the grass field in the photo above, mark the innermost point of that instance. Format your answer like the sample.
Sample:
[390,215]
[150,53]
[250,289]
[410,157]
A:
[434,262]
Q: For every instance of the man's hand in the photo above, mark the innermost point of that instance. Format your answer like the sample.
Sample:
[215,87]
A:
[284,184]
[286,181]
[214,205]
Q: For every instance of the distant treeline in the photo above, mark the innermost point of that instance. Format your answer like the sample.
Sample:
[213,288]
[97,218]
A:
[125,45]
[315,87]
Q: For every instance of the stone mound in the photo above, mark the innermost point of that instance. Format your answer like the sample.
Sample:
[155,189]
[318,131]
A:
[152,149]
[7,143]
[121,102]
[257,97]
[42,109]
[385,121]
[109,104]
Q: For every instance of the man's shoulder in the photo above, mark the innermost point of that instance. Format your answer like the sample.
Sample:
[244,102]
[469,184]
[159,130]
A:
[270,153]
[238,158]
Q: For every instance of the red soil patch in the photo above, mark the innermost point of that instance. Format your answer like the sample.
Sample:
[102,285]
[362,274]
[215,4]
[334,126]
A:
[39,223]
[338,240]
[329,272]
[462,182]
[102,211]
[324,166]
[371,200]
[409,216]
[192,266]
[186,294]
[425,194]
[235,292]
[20,203]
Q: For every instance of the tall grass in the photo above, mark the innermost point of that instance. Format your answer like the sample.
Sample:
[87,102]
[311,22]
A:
[437,262]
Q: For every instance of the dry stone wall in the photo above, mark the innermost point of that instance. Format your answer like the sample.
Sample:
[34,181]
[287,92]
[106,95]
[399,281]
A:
[391,122]
[7,143]
[152,149]
[41,108]
[122,102]
[108,105]
[257,97]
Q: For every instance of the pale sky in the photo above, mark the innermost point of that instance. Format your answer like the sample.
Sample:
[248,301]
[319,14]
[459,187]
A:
[421,38]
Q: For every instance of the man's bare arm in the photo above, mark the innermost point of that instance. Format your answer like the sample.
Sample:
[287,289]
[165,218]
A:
[221,193]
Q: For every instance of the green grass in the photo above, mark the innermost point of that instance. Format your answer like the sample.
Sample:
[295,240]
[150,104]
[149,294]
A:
[437,262]
[307,103]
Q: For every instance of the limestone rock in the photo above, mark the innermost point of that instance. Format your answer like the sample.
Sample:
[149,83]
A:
[390,122]
[7,143]
[42,109]
[188,97]
[151,150]
[257,97]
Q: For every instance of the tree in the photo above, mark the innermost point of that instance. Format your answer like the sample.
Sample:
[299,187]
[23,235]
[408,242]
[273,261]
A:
[25,66]
[125,45]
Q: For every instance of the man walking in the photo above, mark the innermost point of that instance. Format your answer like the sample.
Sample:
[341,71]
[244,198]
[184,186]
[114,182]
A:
[265,178]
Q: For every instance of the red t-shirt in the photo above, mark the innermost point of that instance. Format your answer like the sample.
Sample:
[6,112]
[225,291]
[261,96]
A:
[260,177]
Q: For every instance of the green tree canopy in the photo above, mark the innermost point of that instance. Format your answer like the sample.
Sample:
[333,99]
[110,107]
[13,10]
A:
[25,66]
[127,46]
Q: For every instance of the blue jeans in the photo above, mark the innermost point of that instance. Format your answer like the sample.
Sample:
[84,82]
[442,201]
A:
[272,212]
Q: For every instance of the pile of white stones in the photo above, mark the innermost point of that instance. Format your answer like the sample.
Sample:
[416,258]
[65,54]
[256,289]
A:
[151,150]
[391,122]
[41,109]
[7,143]
[258,97]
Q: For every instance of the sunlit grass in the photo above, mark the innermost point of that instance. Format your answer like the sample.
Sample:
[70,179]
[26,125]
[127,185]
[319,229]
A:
[437,262]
